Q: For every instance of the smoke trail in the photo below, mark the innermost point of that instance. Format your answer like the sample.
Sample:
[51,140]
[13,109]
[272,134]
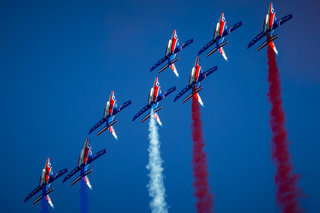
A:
[83,197]
[155,186]
[286,181]
[199,163]
[44,206]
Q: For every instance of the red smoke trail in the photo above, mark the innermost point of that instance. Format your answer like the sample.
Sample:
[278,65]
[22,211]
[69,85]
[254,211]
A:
[286,181]
[199,163]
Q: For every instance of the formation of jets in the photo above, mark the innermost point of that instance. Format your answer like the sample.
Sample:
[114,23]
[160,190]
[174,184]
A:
[156,96]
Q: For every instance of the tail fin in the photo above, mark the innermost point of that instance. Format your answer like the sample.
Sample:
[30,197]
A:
[86,179]
[111,129]
[174,69]
[273,46]
[199,99]
[221,50]
[156,116]
[49,201]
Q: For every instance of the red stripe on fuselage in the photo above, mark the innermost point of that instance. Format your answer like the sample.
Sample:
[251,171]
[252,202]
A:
[174,41]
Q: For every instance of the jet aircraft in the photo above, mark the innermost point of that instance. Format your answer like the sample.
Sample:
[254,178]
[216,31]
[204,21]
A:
[270,24]
[194,82]
[109,113]
[171,52]
[220,33]
[154,98]
[85,159]
[46,178]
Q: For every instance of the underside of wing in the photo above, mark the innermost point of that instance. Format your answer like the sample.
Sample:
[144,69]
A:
[184,45]
[282,21]
[209,44]
[159,62]
[124,105]
[97,125]
[141,112]
[188,87]
[35,191]
[73,172]
[257,38]
[57,175]
[96,156]
[166,93]
[207,73]
[232,28]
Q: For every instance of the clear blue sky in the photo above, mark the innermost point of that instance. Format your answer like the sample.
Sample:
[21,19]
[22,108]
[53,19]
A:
[59,62]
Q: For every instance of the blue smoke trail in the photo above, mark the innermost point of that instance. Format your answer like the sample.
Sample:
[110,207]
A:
[155,186]
[44,206]
[83,197]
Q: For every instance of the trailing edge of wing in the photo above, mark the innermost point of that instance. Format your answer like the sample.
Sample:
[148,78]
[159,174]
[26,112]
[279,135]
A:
[209,44]
[35,191]
[141,112]
[97,125]
[159,62]
[74,171]
[257,38]
[188,87]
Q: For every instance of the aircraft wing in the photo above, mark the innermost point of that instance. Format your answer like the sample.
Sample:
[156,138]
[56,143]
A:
[184,45]
[257,38]
[35,191]
[73,172]
[96,156]
[209,44]
[97,125]
[282,21]
[124,105]
[159,62]
[57,175]
[232,28]
[166,93]
[141,112]
[183,91]
[207,73]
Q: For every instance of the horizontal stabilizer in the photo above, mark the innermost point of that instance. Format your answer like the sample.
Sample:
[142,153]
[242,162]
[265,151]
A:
[167,65]
[267,42]
[42,196]
[216,48]
[106,127]
[113,122]
[148,116]
[192,93]
[81,176]
[102,130]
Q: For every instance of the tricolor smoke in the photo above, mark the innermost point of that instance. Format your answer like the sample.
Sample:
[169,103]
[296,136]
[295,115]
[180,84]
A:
[200,163]
[156,187]
[83,196]
[286,181]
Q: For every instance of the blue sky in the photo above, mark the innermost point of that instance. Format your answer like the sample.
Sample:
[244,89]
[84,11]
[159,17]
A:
[60,61]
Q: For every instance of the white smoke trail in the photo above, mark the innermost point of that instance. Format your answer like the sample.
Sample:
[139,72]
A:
[155,187]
